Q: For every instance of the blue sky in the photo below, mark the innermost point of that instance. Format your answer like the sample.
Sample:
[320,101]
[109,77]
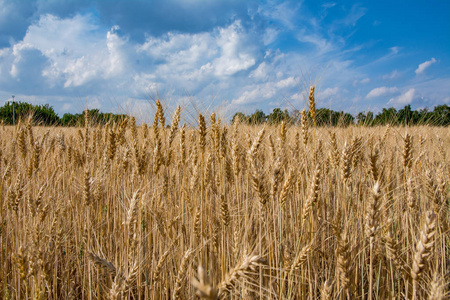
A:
[225,55]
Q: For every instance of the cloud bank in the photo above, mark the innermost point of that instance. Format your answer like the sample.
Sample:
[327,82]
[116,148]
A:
[244,55]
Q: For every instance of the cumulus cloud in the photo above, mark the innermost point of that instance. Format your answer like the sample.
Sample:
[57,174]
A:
[288,82]
[252,54]
[26,68]
[261,72]
[403,99]
[329,92]
[76,52]
[381,91]
[233,58]
[423,66]
[75,55]
[137,19]
[195,61]
[258,93]
[432,92]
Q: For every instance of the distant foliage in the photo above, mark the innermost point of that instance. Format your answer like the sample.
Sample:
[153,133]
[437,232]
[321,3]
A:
[96,117]
[440,116]
[42,114]
[278,116]
[46,116]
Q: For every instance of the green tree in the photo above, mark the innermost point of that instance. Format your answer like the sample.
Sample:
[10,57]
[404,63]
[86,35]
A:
[241,116]
[404,116]
[277,116]
[258,117]
[42,114]
[442,115]
[365,119]
[345,119]
[324,116]
[328,117]
[71,119]
[386,116]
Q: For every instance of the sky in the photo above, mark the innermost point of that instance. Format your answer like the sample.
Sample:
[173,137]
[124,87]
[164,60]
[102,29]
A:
[225,55]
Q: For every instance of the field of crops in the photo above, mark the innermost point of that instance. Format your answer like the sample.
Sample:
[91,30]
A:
[223,211]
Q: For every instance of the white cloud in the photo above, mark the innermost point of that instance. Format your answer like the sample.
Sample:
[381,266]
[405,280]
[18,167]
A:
[234,57]
[322,44]
[17,53]
[329,92]
[76,56]
[261,72]
[394,74]
[423,66]
[362,81]
[387,58]
[4,52]
[77,53]
[194,56]
[355,14]
[255,94]
[26,66]
[67,107]
[298,97]
[432,92]
[395,50]
[115,58]
[270,35]
[105,63]
[259,93]
[242,58]
[288,82]
[404,99]
[380,91]
[60,38]
[144,84]
[283,13]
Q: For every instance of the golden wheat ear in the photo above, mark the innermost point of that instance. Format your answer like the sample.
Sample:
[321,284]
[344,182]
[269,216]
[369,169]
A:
[423,249]
[247,265]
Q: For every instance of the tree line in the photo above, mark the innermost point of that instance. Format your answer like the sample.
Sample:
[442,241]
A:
[46,116]
[439,116]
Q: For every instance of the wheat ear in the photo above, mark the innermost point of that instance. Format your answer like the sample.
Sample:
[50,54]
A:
[242,269]
[181,273]
[423,249]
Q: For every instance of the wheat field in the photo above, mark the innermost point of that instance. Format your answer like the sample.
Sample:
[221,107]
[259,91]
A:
[217,211]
